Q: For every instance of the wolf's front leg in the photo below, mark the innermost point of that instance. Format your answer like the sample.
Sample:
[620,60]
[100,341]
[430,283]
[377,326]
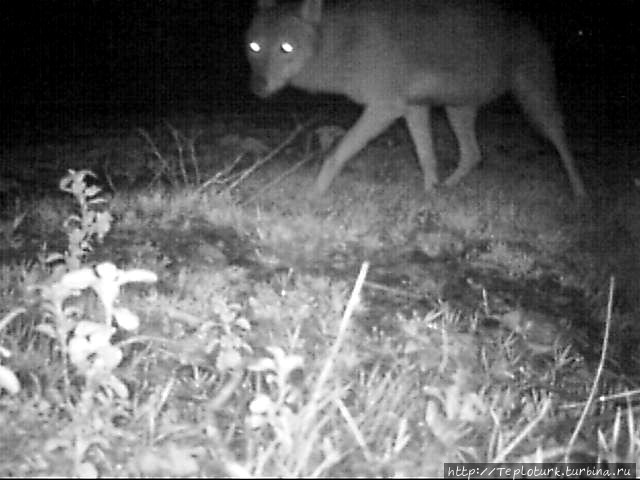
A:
[374,120]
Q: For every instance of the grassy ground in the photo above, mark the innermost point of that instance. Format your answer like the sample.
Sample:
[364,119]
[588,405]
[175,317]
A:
[245,331]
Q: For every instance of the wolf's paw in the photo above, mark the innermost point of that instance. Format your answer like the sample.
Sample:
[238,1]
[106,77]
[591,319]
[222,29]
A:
[583,202]
[455,178]
[317,191]
[316,197]
[579,191]
[313,195]
[430,185]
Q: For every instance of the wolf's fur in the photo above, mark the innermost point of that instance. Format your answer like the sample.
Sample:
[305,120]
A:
[398,58]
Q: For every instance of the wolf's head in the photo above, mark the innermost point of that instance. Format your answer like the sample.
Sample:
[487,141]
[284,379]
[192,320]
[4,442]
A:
[279,43]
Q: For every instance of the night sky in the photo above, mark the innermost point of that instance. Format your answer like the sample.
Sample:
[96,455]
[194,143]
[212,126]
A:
[157,56]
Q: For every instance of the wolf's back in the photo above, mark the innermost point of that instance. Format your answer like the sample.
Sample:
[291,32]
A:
[426,50]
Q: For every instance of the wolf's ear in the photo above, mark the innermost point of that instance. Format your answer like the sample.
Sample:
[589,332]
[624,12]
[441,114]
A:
[311,11]
[266,4]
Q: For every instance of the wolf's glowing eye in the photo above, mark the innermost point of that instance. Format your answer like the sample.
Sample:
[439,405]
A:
[254,47]
[286,47]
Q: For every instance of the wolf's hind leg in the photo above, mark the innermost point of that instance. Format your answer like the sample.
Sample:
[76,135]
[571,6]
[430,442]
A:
[418,120]
[534,89]
[462,120]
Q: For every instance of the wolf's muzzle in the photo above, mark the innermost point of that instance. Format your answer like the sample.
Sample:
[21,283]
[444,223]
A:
[259,86]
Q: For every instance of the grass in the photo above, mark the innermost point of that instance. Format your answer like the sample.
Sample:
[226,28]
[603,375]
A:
[198,317]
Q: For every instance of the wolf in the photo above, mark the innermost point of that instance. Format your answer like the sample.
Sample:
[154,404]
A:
[399,58]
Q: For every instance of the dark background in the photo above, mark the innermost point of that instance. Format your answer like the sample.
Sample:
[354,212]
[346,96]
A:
[78,60]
